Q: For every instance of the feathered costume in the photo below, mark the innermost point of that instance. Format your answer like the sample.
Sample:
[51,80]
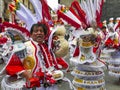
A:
[85,17]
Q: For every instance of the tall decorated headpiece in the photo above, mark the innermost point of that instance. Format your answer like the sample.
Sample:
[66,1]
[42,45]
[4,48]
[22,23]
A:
[82,14]
[24,14]
[15,32]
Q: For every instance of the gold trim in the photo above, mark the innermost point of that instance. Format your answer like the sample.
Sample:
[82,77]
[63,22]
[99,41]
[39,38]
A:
[80,88]
[29,62]
[88,82]
[88,73]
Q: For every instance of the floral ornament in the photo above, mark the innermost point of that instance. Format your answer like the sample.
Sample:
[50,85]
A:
[64,9]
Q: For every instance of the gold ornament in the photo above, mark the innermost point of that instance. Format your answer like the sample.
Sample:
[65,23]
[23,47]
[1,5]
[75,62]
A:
[82,58]
[80,88]
[29,62]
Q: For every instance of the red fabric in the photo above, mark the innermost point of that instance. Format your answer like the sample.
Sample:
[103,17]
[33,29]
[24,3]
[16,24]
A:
[100,24]
[51,80]
[81,13]
[33,82]
[45,10]
[109,42]
[97,17]
[99,13]
[40,74]
[118,25]
[2,27]
[3,40]
[14,66]
[77,52]
[69,20]
[21,29]
[79,18]
[95,49]
[13,70]
[45,52]
[62,62]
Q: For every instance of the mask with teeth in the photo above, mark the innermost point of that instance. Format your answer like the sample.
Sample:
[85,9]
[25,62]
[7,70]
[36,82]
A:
[60,44]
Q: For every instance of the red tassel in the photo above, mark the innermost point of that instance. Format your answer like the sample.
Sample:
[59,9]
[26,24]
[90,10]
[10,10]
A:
[77,52]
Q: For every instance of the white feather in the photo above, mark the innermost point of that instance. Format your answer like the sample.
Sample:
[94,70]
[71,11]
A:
[30,20]
[38,9]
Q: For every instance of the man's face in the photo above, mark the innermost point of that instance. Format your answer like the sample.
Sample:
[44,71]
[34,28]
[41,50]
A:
[38,34]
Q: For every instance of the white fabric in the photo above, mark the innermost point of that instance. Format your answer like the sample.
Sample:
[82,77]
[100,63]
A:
[54,6]
[84,6]
[25,14]
[73,17]
[18,85]
[91,10]
[50,38]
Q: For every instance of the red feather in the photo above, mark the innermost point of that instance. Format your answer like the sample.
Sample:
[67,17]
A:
[69,20]
[99,13]
[77,16]
[45,10]
[81,13]
[23,30]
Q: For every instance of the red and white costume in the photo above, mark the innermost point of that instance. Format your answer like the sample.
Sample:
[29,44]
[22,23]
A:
[38,61]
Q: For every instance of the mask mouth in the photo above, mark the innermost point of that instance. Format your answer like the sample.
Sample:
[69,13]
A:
[56,45]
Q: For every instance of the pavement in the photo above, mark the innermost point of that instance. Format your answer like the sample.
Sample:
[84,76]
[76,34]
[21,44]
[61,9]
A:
[111,82]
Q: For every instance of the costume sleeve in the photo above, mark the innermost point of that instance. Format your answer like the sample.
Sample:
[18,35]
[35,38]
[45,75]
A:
[62,62]
[14,65]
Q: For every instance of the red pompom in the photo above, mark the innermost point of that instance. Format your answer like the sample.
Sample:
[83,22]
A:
[3,40]
[33,82]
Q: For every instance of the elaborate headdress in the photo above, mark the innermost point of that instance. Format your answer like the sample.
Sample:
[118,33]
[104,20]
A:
[82,14]
[27,16]
[16,32]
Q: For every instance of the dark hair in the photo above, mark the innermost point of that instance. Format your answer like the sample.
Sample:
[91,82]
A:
[103,27]
[43,25]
